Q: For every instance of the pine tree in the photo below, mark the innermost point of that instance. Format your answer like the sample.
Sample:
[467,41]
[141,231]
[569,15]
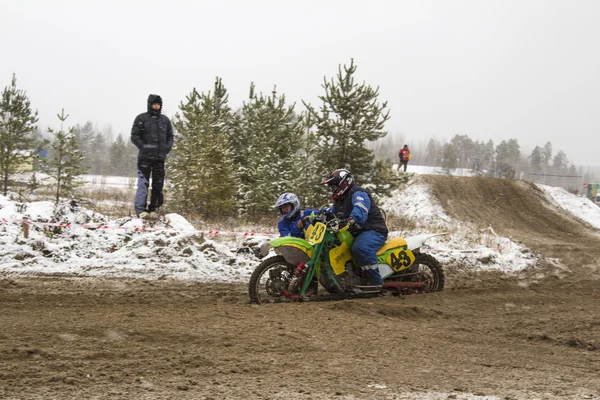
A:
[65,161]
[547,155]
[464,150]
[488,159]
[130,162]
[476,156]
[449,160]
[97,156]
[202,167]
[349,116]
[33,183]
[268,135]
[433,155]
[508,155]
[560,162]
[536,160]
[118,157]
[311,194]
[17,127]
[84,135]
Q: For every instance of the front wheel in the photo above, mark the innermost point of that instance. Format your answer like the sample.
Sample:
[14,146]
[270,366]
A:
[269,280]
[426,271]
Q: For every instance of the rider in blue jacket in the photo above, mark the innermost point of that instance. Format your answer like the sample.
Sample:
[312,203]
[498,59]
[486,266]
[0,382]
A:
[367,225]
[289,208]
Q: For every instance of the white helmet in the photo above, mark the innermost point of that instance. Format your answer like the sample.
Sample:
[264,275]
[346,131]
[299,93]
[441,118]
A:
[288,198]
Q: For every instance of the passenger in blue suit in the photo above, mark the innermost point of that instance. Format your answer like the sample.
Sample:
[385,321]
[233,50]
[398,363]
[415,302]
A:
[289,208]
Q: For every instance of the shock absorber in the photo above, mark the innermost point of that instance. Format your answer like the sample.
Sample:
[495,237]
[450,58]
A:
[300,271]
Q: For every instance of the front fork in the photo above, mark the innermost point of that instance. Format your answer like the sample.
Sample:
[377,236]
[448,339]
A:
[305,273]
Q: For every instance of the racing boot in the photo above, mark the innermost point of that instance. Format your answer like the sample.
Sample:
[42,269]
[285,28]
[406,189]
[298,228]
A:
[372,282]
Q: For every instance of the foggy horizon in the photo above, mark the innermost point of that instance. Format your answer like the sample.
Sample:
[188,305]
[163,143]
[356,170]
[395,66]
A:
[489,70]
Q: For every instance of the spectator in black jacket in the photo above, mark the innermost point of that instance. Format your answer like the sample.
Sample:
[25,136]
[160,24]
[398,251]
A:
[152,134]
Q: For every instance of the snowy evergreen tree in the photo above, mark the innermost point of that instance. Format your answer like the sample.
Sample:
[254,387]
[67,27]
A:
[108,135]
[131,156]
[84,136]
[267,135]
[488,158]
[17,127]
[98,155]
[118,157]
[560,162]
[536,160]
[464,150]
[33,183]
[547,155]
[476,155]
[242,140]
[449,160]
[433,155]
[64,163]
[349,116]
[311,194]
[508,155]
[201,167]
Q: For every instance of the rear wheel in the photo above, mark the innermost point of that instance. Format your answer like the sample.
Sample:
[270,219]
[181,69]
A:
[269,280]
[426,271]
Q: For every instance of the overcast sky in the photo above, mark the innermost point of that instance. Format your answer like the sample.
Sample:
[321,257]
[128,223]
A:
[490,69]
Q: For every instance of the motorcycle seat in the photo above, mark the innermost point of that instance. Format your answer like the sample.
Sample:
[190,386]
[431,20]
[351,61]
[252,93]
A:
[390,244]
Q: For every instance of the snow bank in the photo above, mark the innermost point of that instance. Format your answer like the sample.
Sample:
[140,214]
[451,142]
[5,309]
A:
[114,252]
[581,207]
[428,170]
[465,246]
[186,254]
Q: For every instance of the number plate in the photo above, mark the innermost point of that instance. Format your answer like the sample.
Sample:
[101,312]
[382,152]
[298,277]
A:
[318,233]
[400,259]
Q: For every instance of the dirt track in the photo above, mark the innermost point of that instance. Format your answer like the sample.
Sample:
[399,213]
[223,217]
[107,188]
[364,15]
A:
[508,337]
[131,339]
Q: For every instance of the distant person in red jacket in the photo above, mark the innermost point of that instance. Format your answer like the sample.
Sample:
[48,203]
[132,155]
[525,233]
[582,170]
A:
[405,156]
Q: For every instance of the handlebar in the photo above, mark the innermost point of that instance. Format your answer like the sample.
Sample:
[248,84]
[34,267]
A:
[333,223]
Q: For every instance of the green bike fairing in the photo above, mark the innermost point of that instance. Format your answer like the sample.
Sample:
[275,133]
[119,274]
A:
[287,240]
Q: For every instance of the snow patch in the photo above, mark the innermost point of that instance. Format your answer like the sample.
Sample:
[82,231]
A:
[429,170]
[182,253]
[415,203]
[581,207]
[466,246]
[115,252]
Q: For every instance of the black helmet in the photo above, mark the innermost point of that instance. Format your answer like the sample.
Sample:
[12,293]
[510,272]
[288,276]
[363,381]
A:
[339,181]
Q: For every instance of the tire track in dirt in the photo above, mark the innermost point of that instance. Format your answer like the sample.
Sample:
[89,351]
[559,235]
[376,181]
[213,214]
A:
[122,339]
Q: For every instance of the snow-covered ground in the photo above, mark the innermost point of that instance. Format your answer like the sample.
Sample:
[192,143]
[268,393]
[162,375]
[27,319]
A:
[116,249]
[181,252]
[123,182]
[89,181]
[428,170]
[465,246]
[581,207]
